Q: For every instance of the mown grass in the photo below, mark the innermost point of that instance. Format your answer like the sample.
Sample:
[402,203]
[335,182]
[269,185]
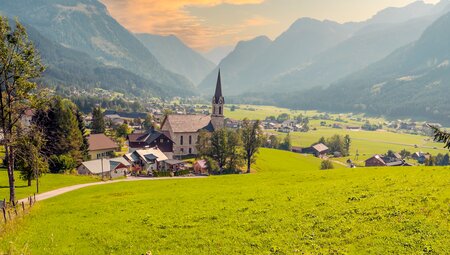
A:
[46,182]
[287,207]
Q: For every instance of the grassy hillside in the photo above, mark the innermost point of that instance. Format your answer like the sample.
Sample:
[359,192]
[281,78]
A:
[288,206]
[46,182]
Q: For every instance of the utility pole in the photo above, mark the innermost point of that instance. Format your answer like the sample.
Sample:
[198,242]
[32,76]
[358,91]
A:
[101,162]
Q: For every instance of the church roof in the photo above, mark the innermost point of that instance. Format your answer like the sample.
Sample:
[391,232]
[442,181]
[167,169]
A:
[218,93]
[188,123]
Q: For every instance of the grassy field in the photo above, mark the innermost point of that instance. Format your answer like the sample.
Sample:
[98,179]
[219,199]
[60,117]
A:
[371,142]
[47,182]
[287,207]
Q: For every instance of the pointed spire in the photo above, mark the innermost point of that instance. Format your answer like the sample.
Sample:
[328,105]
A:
[218,93]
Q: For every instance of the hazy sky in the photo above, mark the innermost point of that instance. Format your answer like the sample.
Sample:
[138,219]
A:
[205,24]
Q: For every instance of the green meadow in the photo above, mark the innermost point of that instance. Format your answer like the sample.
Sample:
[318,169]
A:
[367,143]
[371,142]
[287,206]
[46,182]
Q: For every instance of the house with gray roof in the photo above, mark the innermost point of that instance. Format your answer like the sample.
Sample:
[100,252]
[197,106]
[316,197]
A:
[109,168]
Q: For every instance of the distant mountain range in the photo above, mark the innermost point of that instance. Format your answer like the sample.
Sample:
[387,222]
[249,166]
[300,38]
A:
[395,64]
[315,53]
[66,66]
[412,82]
[86,26]
[232,65]
[173,54]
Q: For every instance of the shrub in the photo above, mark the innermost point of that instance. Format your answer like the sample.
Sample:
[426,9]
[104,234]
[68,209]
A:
[62,163]
[326,164]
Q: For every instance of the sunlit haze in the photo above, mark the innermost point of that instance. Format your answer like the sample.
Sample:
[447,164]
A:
[205,24]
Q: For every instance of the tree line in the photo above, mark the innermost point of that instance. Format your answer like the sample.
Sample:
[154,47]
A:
[225,150]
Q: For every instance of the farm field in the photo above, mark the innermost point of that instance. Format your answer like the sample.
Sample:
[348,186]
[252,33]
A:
[47,182]
[371,142]
[288,206]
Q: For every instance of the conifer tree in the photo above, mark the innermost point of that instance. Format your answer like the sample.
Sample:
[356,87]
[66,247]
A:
[98,122]
[85,143]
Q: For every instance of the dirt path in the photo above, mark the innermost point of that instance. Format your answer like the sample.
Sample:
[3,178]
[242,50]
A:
[57,192]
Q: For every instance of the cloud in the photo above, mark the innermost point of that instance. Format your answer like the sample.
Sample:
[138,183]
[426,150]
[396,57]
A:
[172,17]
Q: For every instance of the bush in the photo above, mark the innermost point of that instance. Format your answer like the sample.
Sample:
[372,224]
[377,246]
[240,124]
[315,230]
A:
[161,174]
[62,163]
[326,164]
[182,172]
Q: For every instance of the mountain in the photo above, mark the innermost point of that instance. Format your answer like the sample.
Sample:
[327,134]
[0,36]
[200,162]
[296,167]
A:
[414,81]
[86,26]
[377,38]
[217,54]
[239,59]
[370,44]
[174,55]
[71,68]
[295,47]
[412,11]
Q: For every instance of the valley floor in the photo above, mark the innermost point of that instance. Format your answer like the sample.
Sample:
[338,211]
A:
[288,206]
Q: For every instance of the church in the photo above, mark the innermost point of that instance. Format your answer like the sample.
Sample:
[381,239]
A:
[183,130]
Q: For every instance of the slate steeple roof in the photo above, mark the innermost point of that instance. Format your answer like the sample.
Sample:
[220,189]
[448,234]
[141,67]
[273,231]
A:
[218,93]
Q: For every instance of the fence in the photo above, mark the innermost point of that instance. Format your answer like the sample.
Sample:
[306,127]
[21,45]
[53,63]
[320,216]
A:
[12,210]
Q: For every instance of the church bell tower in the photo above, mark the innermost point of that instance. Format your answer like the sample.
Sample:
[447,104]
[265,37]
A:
[217,117]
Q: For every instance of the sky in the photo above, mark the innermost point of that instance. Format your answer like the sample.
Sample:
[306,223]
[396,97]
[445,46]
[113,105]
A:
[206,24]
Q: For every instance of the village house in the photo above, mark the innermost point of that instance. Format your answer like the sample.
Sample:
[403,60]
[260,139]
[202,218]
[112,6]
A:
[101,146]
[200,167]
[174,165]
[421,157]
[319,150]
[147,160]
[151,138]
[296,149]
[183,130]
[378,160]
[109,168]
[374,161]
[230,123]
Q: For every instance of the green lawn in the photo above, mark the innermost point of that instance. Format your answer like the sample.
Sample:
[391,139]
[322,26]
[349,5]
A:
[47,182]
[287,207]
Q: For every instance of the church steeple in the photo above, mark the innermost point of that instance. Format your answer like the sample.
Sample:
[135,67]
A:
[217,117]
[218,93]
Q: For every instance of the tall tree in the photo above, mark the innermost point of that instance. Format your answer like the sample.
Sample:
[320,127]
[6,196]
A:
[19,65]
[85,143]
[234,149]
[203,144]
[219,147]
[31,160]
[61,127]
[98,122]
[148,122]
[347,143]
[251,139]
[287,143]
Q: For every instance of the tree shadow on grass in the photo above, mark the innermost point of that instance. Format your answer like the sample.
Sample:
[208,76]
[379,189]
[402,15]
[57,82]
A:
[7,187]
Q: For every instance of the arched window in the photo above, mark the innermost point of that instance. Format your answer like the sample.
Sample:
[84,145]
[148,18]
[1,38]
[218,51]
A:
[220,110]
[190,150]
[190,139]
[181,140]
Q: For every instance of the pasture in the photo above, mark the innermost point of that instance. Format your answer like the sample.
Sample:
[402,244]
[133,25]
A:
[46,182]
[287,206]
